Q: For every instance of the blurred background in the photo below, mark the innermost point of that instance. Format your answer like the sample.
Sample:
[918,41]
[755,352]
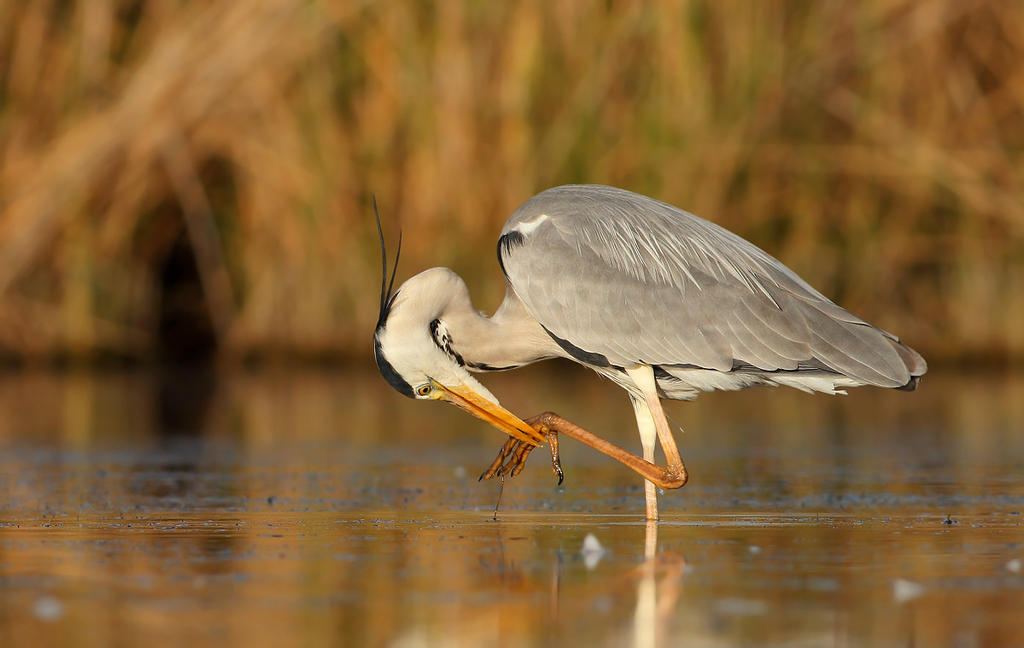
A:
[183,180]
[185,194]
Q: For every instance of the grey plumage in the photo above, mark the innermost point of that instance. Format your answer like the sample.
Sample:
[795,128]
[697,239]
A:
[656,299]
[634,280]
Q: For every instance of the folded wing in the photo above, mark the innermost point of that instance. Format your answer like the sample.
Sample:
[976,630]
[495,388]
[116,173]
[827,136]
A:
[634,280]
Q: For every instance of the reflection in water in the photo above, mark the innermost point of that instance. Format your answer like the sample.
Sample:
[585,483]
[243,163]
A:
[656,600]
[645,619]
[317,508]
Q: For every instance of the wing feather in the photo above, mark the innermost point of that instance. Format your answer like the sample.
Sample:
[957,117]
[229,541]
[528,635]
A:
[640,281]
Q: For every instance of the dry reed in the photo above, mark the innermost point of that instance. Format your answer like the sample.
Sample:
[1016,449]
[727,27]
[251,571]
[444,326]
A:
[877,148]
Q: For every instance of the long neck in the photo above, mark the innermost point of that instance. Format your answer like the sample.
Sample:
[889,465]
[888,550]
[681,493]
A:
[510,338]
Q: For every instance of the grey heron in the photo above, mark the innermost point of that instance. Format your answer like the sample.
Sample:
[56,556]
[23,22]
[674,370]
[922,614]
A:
[662,302]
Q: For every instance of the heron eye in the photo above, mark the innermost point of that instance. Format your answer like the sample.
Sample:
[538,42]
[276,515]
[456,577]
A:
[423,390]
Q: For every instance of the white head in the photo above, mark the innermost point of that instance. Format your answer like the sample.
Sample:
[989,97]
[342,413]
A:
[409,340]
[413,352]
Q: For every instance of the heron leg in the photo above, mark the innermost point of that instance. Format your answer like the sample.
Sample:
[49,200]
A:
[643,377]
[662,477]
[648,438]
[512,457]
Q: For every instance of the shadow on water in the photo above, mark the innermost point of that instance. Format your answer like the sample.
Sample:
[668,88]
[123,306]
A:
[319,508]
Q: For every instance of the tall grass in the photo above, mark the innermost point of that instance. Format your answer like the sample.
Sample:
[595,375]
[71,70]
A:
[877,148]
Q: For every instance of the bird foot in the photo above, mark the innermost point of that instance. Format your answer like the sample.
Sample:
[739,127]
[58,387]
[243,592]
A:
[511,458]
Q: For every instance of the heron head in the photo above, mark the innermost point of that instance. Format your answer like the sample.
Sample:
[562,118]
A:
[413,358]
[408,351]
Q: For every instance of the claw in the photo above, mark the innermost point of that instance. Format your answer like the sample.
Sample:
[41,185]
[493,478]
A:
[496,466]
[512,456]
[556,463]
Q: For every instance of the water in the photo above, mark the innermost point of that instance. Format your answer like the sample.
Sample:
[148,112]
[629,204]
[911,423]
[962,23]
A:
[320,508]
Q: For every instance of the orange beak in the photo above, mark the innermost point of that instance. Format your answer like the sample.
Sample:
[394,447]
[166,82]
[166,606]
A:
[485,410]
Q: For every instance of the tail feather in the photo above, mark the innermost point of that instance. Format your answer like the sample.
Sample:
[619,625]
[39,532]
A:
[916,364]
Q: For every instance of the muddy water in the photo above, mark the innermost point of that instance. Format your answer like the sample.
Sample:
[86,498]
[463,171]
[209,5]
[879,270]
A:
[322,509]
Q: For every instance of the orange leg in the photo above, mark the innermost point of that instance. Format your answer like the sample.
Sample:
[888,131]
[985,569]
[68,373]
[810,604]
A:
[674,476]
[551,425]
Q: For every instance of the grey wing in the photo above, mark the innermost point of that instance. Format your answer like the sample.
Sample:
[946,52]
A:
[626,279]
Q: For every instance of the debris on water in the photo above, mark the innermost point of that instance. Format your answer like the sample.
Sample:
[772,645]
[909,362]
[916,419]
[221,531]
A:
[1014,565]
[592,551]
[949,520]
[904,590]
[48,608]
[271,499]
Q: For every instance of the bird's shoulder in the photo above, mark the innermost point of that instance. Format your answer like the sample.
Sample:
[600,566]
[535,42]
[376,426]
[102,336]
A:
[618,232]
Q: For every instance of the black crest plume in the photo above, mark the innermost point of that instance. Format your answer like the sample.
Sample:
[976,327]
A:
[386,285]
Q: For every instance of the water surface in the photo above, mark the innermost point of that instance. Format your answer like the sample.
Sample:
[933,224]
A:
[321,508]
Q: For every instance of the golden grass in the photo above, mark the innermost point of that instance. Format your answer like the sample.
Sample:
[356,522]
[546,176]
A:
[877,148]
